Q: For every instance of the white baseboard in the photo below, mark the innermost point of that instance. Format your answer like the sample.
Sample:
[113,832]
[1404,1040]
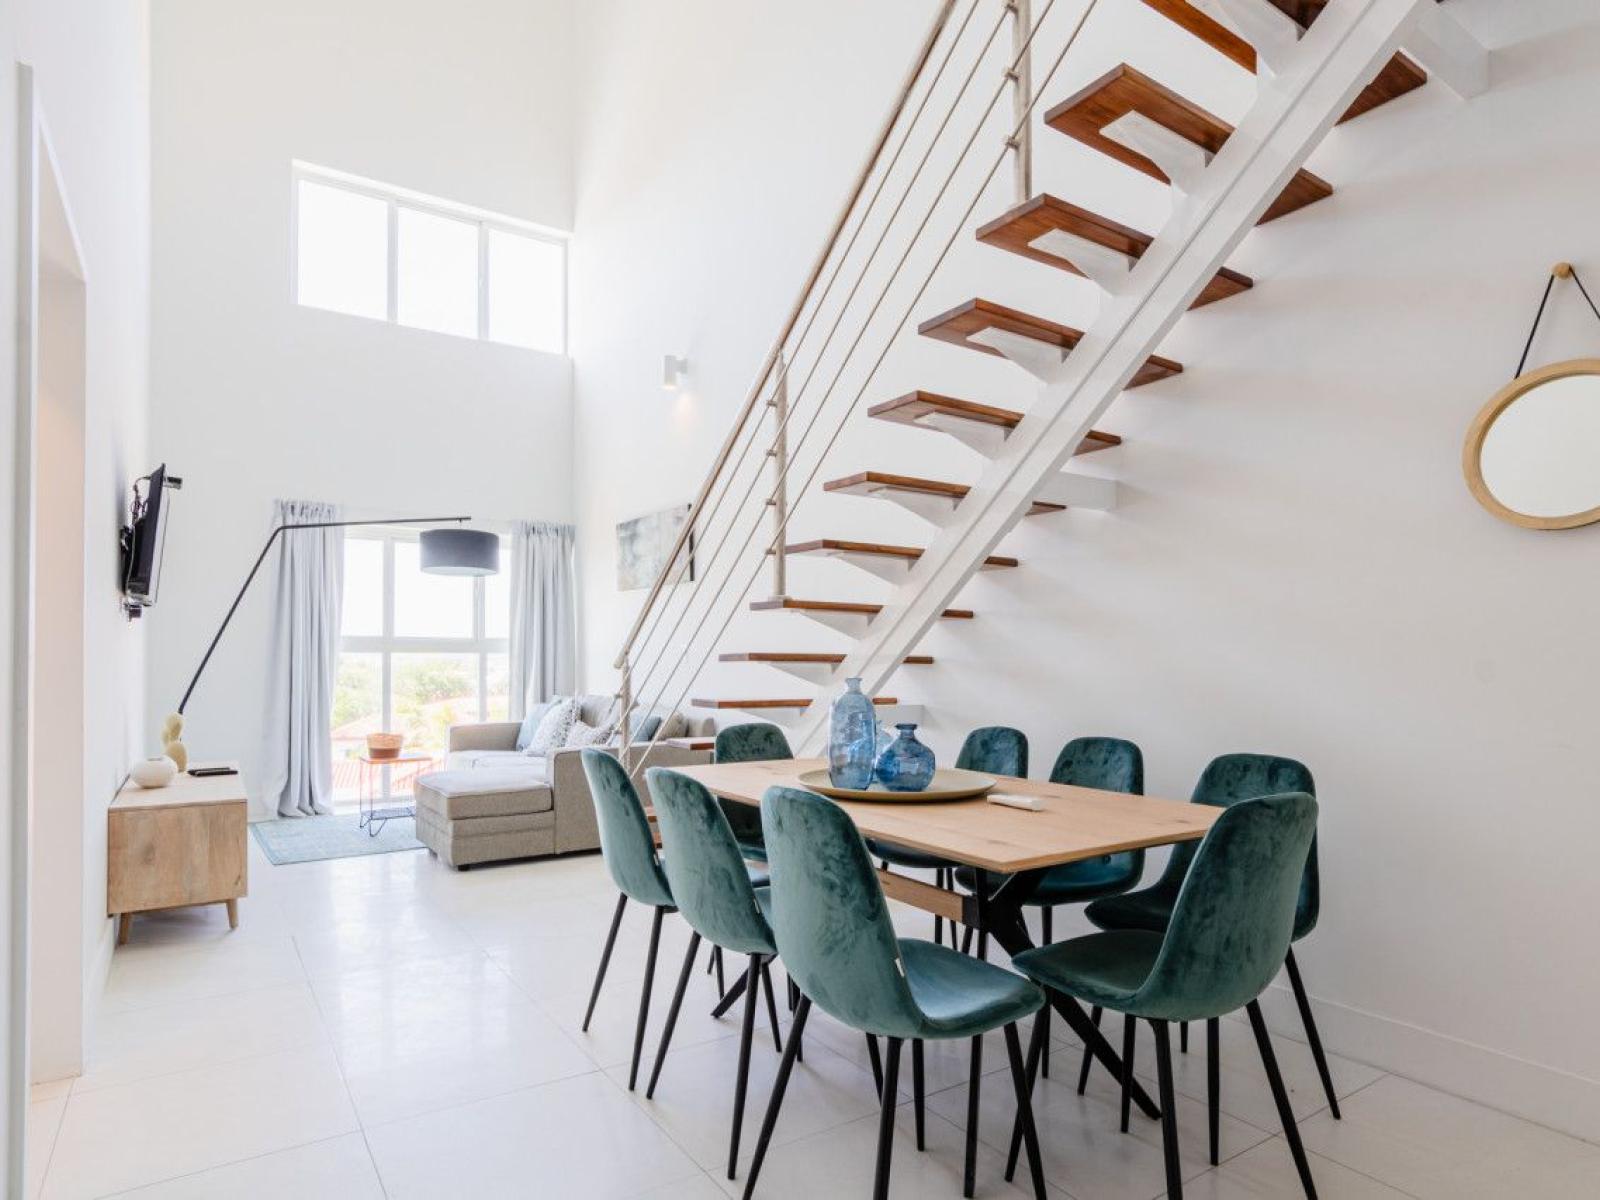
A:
[1548,1096]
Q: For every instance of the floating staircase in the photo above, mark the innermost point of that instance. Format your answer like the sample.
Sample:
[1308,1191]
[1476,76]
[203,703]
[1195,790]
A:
[1329,62]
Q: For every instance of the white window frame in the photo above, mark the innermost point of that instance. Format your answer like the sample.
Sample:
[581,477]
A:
[396,198]
[388,643]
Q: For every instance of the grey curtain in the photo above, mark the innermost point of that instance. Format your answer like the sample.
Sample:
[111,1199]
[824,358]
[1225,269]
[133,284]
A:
[302,655]
[544,640]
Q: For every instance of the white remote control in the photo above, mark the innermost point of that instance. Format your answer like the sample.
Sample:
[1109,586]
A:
[1031,803]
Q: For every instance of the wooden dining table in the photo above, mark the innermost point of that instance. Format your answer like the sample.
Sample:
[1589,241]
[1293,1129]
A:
[1016,845]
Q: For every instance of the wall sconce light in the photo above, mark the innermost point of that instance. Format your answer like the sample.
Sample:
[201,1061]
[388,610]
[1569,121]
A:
[673,369]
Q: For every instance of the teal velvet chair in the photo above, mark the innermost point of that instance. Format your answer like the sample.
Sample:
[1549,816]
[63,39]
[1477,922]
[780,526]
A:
[712,887]
[757,741]
[839,944]
[1227,932]
[1226,780]
[1111,765]
[994,750]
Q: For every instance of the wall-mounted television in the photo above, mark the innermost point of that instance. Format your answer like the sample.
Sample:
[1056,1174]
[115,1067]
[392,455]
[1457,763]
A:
[144,540]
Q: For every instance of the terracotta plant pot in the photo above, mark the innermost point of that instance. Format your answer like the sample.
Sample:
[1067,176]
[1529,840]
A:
[384,745]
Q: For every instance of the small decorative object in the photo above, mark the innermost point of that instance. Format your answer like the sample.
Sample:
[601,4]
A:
[1532,455]
[852,738]
[905,765]
[154,772]
[172,742]
[645,544]
[384,745]
[949,783]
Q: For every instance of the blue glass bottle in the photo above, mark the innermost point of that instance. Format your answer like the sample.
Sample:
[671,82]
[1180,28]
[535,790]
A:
[905,765]
[852,738]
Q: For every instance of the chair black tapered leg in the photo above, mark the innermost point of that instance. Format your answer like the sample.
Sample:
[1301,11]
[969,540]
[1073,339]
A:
[1312,1037]
[779,1086]
[1169,1111]
[917,1091]
[877,1064]
[605,960]
[938,921]
[772,1004]
[672,1014]
[966,940]
[644,995]
[983,945]
[1130,1028]
[1214,1085]
[716,960]
[1035,1046]
[1280,1097]
[1047,928]
[1088,1054]
[730,996]
[742,1079]
[886,1107]
[1022,1082]
[969,1169]
[1183,1037]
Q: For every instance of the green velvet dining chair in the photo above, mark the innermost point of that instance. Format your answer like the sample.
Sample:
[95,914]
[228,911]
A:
[838,942]
[993,750]
[1227,931]
[713,891]
[1108,764]
[756,741]
[1226,780]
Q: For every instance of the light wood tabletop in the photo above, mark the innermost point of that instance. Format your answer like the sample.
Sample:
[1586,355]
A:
[1076,823]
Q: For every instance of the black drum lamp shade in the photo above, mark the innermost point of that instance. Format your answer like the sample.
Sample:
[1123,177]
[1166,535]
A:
[460,552]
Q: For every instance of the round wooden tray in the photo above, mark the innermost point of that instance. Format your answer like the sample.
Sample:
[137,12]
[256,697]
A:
[949,783]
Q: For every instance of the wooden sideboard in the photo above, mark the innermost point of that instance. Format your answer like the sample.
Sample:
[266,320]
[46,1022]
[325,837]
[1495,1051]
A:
[178,845]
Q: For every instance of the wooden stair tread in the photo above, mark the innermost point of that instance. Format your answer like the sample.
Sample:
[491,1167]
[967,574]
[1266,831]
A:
[1399,76]
[759,704]
[1018,229]
[849,607]
[907,409]
[764,656]
[869,482]
[1122,90]
[877,549]
[959,324]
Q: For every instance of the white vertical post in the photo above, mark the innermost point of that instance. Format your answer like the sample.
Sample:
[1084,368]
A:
[1022,95]
[624,732]
[779,501]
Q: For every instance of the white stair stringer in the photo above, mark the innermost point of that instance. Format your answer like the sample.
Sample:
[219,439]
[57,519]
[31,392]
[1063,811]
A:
[1321,77]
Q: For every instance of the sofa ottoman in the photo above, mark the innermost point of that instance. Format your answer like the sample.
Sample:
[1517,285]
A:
[485,814]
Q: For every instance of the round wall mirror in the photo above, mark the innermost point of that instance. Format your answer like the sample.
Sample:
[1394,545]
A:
[1533,453]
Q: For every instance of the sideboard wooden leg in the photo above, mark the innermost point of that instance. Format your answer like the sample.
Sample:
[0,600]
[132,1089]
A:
[124,924]
[233,913]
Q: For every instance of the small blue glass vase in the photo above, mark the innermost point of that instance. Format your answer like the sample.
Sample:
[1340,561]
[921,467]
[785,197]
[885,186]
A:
[852,739]
[905,765]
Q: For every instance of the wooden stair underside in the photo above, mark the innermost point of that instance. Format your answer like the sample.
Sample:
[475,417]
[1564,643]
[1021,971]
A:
[910,408]
[754,705]
[826,660]
[959,324]
[842,607]
[1123,90]
[1399,76]
[871,483]
[907,554]
[1018,229]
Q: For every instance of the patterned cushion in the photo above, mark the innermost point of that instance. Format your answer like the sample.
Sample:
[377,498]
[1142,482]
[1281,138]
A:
[551,733]
[530,722]
[584,734]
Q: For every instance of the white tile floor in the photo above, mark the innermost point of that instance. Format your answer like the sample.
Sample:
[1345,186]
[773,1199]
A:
[386,1027]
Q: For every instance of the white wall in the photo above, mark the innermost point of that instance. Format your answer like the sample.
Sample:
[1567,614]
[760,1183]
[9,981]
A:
[91,74]
[1296,567]
[255,398]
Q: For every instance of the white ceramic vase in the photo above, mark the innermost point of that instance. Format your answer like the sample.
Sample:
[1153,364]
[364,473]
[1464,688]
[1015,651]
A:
[154,772]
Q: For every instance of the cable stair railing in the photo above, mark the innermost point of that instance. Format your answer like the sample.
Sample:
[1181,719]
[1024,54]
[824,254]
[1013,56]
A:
[1317,64]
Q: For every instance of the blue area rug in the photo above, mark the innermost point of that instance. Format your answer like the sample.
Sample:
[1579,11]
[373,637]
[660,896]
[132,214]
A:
[338,835]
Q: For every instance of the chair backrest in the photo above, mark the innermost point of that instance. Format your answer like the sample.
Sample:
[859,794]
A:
[1112,765]
[1229,778]
[1234,917]
[710,884]
[626,842]
[828,912]
[996,750]
[757,741]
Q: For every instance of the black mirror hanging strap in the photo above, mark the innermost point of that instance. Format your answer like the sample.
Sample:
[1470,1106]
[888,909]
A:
[1559,271]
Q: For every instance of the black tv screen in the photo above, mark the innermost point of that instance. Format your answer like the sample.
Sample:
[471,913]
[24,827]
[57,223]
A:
[147,540]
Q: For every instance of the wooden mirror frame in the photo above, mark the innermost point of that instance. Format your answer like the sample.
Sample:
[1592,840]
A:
[1478,432]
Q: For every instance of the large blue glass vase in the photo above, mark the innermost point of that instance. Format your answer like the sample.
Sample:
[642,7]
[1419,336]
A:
[905,765]
[852,738]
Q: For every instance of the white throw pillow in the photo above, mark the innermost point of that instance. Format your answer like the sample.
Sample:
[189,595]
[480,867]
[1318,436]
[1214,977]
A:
[584,734]
[553,728]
